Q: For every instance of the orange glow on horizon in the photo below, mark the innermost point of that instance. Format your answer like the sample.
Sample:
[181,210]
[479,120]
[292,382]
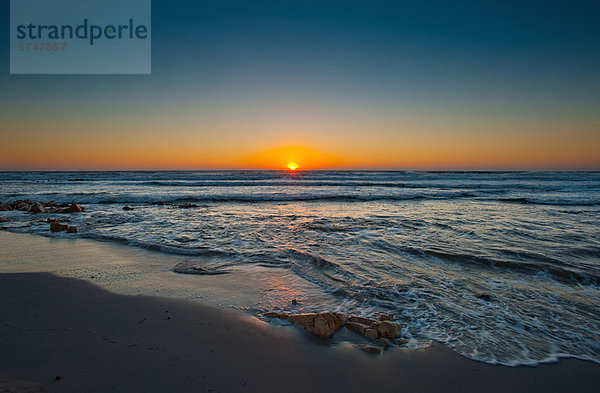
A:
[292,157]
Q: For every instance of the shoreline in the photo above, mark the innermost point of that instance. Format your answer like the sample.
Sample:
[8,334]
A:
[155,276]
[100,341]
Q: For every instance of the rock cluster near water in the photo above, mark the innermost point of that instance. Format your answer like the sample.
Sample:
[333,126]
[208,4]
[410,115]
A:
[380,328]
[36,207]
[41,207]
[323,324]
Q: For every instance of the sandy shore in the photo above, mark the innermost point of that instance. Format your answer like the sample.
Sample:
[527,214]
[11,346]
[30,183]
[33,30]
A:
[98,341]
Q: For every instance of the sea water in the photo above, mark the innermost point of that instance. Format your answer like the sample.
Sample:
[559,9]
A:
[502,267]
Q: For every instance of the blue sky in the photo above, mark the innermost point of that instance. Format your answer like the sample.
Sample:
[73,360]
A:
[314,70]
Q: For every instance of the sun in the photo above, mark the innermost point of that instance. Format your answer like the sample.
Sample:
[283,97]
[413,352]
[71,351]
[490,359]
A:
[292,166]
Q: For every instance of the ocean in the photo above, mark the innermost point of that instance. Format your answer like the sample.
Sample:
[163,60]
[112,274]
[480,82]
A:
[502,267]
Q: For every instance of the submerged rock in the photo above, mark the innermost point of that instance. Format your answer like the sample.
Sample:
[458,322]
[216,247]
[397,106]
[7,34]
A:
[4,219]
[371,349]
[127,208]
[322,324]
[72,229]
[484,296]
[187,206]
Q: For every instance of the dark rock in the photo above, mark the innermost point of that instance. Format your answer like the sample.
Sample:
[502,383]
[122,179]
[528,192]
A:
[22,206]
[72,229]
[158,203]
[187,206]
[75,208]
[58,377]
[37,208]
[58,227]
[484,296]
[4,219]
[127,208]
[294,302]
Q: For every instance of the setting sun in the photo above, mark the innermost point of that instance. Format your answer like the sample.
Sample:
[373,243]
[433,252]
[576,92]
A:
[292,166]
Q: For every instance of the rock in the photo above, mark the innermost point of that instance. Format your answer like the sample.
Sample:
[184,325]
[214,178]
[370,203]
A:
[71,229]
[387,329]
[383,317]
[357,327]
[23,206]
[4,219]
[37,208]
[127,208]
[275,314]
[371,349]
[5,208]
[364,321]
[294,302]
[363,329]
[158,203]
[371,334]
[187,206]
[58,227]
[75,208]
[484,296]
[322,324]
[58,377]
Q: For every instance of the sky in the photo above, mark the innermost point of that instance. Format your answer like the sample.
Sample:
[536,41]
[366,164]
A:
[326,84]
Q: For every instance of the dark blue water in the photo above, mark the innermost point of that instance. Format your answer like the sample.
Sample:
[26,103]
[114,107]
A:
[424,245]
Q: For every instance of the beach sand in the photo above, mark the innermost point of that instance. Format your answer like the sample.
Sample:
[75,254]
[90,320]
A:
[98,341]
[56,320]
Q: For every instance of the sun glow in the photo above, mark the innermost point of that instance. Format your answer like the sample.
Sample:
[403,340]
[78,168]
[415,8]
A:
[292,166]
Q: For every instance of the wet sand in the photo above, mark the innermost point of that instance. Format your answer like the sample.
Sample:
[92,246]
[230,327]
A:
[98,341]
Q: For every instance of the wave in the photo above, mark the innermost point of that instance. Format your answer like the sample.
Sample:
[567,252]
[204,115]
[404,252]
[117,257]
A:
[164,248]
[539,265]
[170,199]
[555,202]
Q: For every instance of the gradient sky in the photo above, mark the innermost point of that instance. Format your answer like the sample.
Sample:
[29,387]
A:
[356,84]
